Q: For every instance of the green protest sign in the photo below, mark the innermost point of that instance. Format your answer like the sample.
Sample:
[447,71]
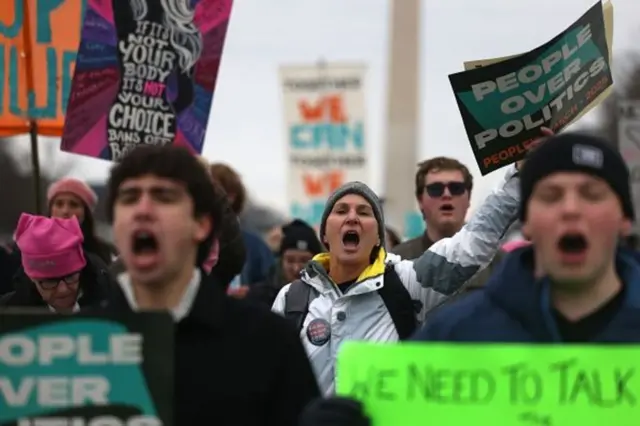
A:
[503,104]
[492,384]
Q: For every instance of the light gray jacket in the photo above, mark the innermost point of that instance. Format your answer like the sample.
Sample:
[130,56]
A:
[438,273]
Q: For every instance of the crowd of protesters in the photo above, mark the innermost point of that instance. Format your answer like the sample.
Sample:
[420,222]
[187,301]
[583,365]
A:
[259,322]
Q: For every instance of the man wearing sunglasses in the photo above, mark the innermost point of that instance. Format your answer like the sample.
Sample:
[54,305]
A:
[443,190]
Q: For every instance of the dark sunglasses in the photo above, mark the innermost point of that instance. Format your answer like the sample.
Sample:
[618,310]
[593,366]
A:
[436,189]
[51,283]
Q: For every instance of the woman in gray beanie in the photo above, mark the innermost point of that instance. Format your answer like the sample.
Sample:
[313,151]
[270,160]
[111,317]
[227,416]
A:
[357,291]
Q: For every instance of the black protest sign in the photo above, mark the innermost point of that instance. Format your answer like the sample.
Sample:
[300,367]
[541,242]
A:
[504,105]
[86,370]
[144,75]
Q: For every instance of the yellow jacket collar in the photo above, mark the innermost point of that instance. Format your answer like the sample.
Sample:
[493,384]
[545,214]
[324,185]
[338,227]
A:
[373,270]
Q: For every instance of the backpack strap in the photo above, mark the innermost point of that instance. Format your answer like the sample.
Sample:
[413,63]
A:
[401,307]
[296,302]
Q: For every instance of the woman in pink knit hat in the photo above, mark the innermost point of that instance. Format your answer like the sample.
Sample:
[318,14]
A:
[66,198]
[56,271]
[70,197]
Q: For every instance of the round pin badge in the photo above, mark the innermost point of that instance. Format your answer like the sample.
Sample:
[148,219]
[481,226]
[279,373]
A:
[318,332]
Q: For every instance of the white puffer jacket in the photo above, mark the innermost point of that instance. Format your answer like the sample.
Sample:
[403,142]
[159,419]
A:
[361,314]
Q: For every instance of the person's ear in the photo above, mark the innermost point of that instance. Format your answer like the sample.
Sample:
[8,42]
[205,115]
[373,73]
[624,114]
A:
[203,228]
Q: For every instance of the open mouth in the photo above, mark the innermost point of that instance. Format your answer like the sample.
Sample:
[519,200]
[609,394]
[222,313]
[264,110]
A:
[145,248]
[144,243]
[446,208]
[351,239]
[573,245]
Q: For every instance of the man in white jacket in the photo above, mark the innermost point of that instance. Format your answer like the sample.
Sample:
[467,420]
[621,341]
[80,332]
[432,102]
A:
[351,292]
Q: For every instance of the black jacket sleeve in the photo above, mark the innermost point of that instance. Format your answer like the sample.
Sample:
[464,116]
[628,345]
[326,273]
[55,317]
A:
[297,385]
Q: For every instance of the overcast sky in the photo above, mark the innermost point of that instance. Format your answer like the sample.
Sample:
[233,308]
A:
[246,124]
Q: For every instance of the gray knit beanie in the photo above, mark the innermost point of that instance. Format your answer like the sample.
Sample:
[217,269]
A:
[365,192]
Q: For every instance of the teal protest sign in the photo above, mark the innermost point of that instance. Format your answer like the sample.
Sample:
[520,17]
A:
[86,370]
[504,104]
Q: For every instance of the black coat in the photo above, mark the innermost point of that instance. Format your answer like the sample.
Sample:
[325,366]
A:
[96,284]
[9,265]
[236,364]
[233,254]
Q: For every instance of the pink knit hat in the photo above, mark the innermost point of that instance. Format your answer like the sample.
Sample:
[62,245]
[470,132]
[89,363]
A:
[75,187]
[51,247]
[514,245]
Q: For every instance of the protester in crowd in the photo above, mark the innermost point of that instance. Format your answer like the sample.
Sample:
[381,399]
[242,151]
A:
[573,284]
[66,198]
[443,190]
[358,292]
[273,238]
[72,197]
[392,238]
[56,270]
[166,212]
[259,257]
[576,205]
[227,255]
[298,246]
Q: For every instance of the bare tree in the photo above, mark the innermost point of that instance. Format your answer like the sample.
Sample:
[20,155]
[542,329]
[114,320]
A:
[627,86]
[17,191]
